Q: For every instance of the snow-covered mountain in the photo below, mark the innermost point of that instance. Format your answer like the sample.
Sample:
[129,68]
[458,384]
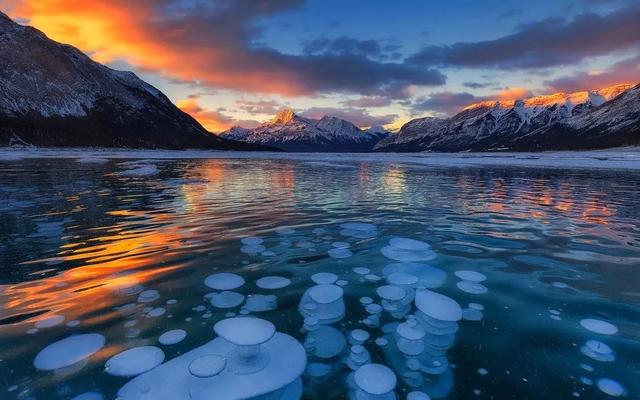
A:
[52,94]
[601,118]
[291,132]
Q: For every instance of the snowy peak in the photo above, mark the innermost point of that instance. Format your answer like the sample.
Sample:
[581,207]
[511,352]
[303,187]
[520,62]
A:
[600,118]
[284,116]
[292,132]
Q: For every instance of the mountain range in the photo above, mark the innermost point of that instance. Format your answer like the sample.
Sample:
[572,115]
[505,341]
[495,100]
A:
[52,94]
[608,117]
[291,132]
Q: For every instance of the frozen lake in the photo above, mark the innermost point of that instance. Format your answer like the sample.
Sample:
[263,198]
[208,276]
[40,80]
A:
[488,276]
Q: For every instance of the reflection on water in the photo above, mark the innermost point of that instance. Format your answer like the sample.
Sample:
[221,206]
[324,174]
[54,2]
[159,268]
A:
[82,241]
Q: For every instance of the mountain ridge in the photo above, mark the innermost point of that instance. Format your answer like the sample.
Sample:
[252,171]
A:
[55,95]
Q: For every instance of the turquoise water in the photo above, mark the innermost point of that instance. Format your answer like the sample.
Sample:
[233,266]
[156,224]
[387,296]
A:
[80,240]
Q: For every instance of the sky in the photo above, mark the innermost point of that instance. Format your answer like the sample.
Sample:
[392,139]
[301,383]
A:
[374,62]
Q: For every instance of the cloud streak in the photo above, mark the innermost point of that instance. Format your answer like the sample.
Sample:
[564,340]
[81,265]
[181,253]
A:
[547,43]
[216,44]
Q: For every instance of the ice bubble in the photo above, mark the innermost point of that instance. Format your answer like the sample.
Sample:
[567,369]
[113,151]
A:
[560,285]
[358,336]
[199,308]
[32,331]
[409,244]
[476,306]
[324,278]
[89,396]
[156,312]
[415,395]
[251,240]
[285,231]
[49,322]
[471,276]
[317,369]
[273,282]
[471,314]
[341,245]
[224,281]
[73,323]
[472,287]
[598,351]
[326,294]
[342,282]
[381,341]
[268,253]
[438,306]
[260,303]
[599,326]
[148,296]
[391,293]
[372,277]
[400,254]
[366,300]
[361,270]
[207,366]
[611,387]
[319,231]
[252,249]
[402,279]
[374,308]
[134,361]
[376,379]
[428,276]
[245,331]
[340,253]
[172,337]
[411,330]
[329,342]
[483,371]
[68,351]
[226,299]
[586,381]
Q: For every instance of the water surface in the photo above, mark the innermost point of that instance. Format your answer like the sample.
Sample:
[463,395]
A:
[79,240]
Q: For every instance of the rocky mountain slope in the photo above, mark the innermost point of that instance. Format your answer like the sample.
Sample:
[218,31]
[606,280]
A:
[602,118]
[291,132]
[52,94]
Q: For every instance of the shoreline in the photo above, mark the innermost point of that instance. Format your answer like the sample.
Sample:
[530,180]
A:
[627,158]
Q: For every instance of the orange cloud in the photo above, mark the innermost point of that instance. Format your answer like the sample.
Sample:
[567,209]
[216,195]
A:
[213,121]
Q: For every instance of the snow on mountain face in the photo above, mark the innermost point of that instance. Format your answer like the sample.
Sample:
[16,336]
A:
[291,132]
[497,125]
[52,94]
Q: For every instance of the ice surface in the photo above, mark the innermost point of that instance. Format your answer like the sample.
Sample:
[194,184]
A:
[438,306]
[68,351]
[273,282]
[252,249]
[172,337]
[224,281]
[226,299]
[375,379]
[89,396]
[599,326]
[611,387]
[245,331]
[260,303]
[134,361]
[471,276]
